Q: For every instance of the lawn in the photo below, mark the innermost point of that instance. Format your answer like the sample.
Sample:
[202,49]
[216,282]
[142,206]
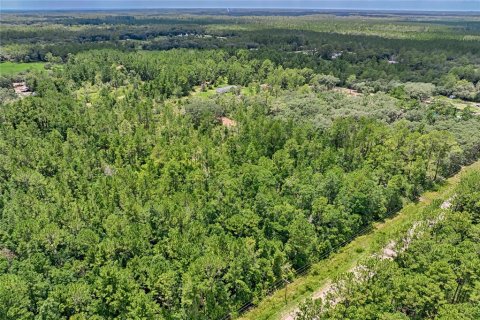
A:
[11,68]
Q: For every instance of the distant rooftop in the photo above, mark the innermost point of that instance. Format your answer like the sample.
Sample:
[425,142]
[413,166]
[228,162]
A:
[225,89]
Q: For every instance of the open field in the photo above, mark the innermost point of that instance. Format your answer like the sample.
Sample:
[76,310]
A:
[11,68]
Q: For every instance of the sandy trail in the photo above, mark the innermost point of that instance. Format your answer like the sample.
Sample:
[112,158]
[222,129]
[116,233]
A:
[389,252]
[321,293]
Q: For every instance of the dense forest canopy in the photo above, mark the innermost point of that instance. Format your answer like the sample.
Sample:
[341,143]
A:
[181,173]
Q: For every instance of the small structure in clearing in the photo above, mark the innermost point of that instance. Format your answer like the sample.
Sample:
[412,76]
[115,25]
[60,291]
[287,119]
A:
[336,55]
[350,92]
[225,89]
[392,60]
[21,89]
[227,122]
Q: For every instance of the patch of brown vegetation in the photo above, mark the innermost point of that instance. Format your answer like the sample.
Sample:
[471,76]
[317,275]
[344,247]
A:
[265,87]
[7,253]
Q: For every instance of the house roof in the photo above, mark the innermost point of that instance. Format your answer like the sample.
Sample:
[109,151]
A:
[225,89]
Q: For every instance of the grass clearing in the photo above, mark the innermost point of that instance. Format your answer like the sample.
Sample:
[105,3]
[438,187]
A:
[11,68]
[203,94]
[275,306]
[461,104]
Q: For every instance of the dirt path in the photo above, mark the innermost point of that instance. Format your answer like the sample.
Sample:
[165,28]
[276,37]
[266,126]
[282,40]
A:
[283,304]
[317,283]
[319,294]
[388,252]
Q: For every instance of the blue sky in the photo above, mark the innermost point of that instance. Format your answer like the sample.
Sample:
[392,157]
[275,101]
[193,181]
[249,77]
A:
[429,5]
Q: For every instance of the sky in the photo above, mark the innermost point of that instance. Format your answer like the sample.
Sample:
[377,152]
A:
[411,5]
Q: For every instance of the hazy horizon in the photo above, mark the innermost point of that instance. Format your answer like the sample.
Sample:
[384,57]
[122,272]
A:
[387,5]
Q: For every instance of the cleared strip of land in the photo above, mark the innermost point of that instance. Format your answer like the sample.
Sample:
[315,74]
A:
[321,274]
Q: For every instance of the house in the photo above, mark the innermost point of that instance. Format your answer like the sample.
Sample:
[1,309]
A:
[21,89]
[225,89]
[337,55]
